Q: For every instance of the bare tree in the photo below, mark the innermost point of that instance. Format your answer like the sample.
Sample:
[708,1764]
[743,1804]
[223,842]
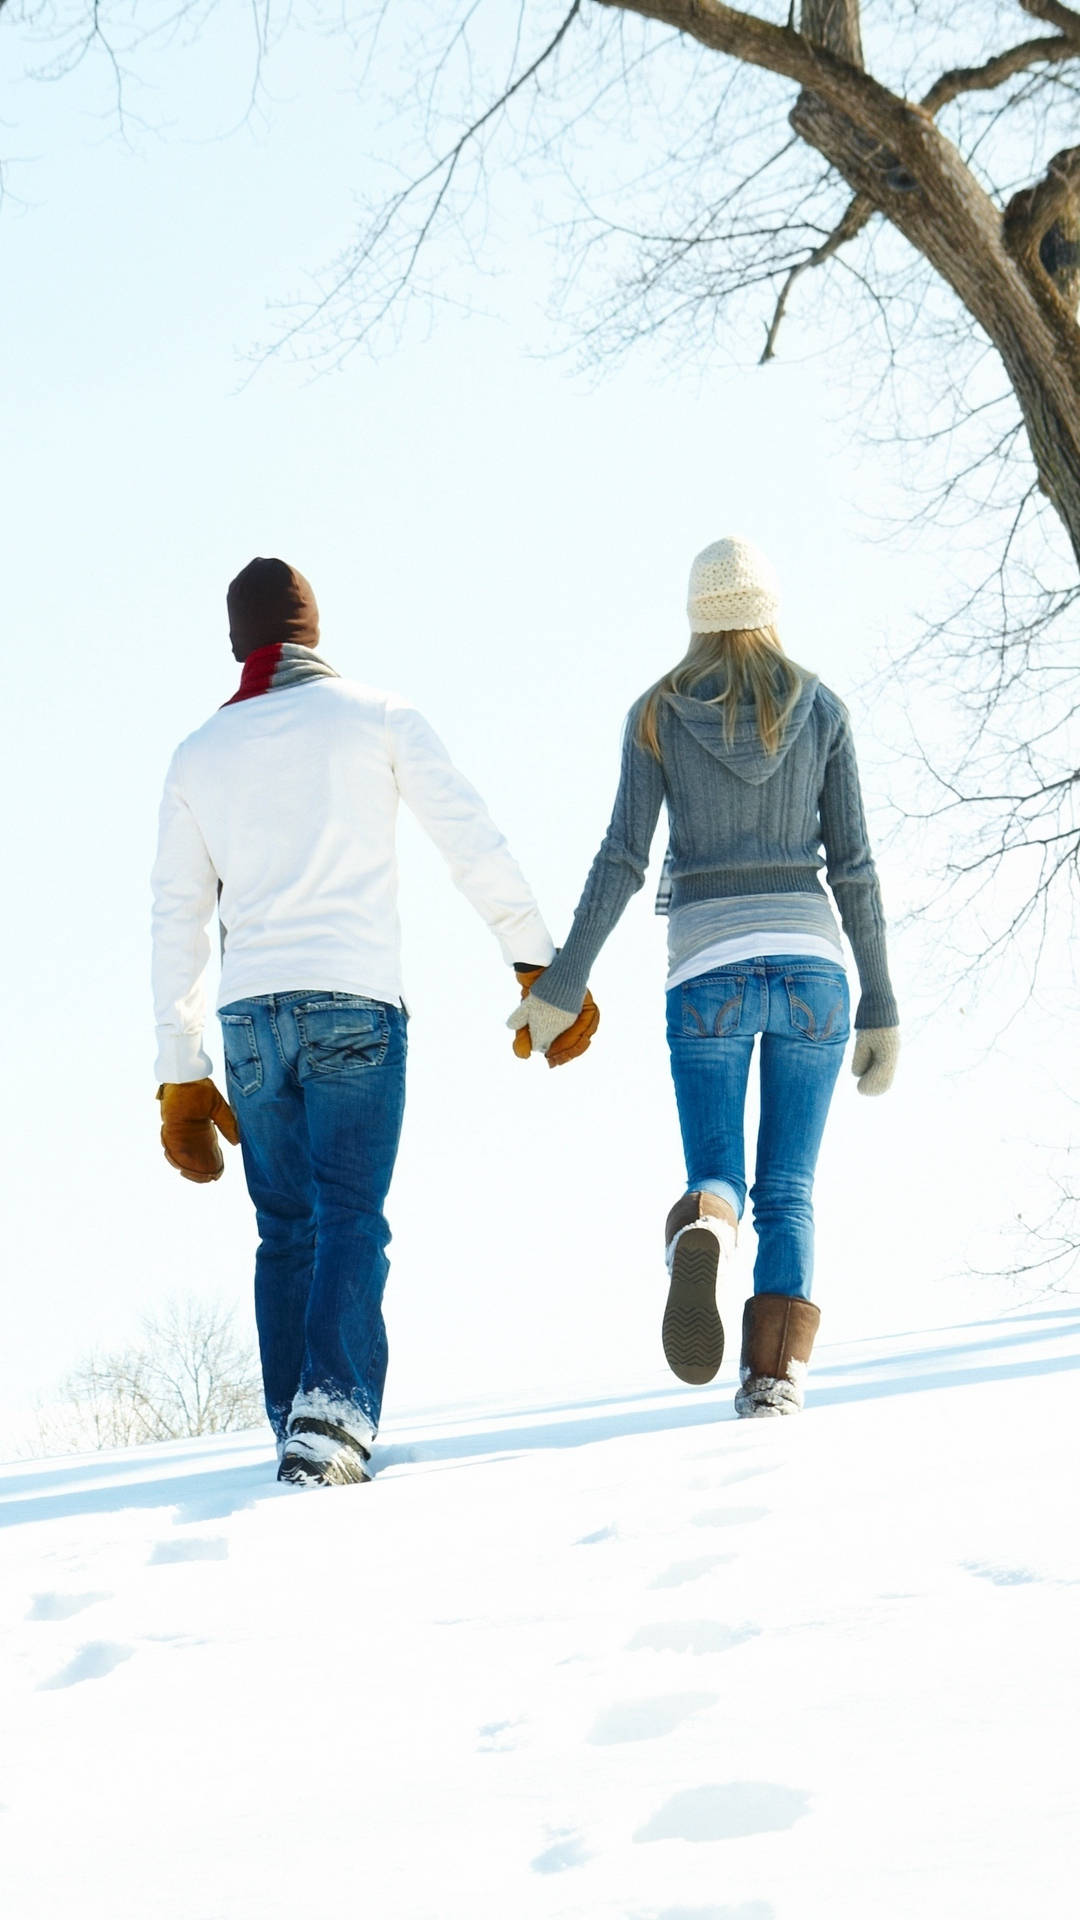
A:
[1010,256]
[190,1373]
[930,194]
[900,179]
[914,162]
[862,148]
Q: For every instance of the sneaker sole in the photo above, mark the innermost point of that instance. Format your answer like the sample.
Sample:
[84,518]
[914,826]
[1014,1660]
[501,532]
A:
[338,1472]
[692,1332]
[299,1473]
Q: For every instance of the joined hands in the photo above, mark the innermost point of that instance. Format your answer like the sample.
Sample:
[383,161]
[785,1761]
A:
[538,1027]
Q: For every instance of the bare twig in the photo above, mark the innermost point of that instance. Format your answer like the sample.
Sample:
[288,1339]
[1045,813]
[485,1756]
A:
[441,172]
[994,73]
[858,212]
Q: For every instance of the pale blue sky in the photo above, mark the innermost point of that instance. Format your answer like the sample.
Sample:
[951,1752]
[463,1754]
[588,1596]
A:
[506,543]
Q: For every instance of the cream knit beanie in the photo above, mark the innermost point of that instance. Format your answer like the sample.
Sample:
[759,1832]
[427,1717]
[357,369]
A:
[731,585]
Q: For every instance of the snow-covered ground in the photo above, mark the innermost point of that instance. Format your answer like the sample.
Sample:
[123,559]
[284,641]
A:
[622,1657]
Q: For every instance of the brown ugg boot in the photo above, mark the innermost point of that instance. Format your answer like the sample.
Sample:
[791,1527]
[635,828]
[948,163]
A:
[700,1230]
[777,1341]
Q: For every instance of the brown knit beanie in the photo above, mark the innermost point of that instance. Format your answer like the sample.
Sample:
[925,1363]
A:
[269,603]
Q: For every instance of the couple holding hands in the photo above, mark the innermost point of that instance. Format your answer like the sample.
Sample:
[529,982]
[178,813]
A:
[281,811]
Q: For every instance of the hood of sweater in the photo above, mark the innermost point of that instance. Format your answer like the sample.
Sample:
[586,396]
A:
[743,753]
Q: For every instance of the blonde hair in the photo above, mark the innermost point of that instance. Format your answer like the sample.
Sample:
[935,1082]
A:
[746,660]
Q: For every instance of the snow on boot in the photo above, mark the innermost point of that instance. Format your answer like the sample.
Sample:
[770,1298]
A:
[700,1230]
[318,1453]
[777,1341]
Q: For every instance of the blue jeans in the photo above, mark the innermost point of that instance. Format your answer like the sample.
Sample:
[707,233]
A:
[799,1006]
[317,1083]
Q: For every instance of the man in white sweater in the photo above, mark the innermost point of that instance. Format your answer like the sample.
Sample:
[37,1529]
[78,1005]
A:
[281,810]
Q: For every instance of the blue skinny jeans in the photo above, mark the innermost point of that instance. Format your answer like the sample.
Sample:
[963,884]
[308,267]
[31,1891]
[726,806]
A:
[799,1006]
[317,1083]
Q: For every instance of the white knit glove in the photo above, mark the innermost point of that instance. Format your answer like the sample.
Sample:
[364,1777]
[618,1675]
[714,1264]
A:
[877,1050]
[545,1022]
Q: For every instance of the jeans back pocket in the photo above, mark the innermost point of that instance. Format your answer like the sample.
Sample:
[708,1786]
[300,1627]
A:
[243,1067]
[345,1034]
[712,1005]
[818,1003]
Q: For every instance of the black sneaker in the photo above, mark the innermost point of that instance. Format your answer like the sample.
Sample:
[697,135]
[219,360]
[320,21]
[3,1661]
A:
[319,1454]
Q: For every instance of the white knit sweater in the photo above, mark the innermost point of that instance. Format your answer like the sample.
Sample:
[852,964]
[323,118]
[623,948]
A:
[290,801]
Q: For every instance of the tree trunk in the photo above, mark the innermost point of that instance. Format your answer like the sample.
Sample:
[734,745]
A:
[1015,276]
[834,24]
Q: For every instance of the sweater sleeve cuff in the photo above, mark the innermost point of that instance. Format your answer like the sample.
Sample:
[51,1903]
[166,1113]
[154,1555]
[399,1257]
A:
[527,942]
[876,1010]
[181,1057]
[563,986]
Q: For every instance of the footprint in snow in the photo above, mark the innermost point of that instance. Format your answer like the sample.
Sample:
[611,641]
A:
[726,1812]
[92,1662]
[61,1606]
[728,1516]
[681,1571]
[647,1719]
[689,1636]
[499,1736]
[566,1851]
[202,1548]
[594,1539]
[1003,1576]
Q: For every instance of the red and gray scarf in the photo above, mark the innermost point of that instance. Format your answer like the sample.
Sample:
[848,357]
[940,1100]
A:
[286,664]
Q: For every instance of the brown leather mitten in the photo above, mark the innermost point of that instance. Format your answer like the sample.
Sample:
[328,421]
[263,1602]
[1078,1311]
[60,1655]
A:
[575,1039]
[191,1110]
[527,978]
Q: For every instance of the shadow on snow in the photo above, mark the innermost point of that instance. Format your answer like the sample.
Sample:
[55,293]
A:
[200,1492]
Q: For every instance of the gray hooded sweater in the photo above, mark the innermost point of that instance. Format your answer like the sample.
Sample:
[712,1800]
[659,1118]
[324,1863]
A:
[741,821]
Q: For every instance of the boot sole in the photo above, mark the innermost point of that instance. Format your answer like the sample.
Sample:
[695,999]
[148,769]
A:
[692,1332]
[754,1404]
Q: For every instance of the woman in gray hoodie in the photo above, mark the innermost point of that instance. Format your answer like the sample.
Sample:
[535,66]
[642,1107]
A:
[754,759]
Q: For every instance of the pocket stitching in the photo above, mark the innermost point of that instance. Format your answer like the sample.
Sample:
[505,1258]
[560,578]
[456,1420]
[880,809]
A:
[797,1004]
[718,1024]
[379,1029]
[734,1000]
[689,1008]
[352,1003]
[230,1022]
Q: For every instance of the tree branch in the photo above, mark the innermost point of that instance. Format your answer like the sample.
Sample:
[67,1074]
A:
[1042,230]
[1066,19]
[857,214]
[1002,67]
[440,175]
[956,81]
[834,24]
[842,85]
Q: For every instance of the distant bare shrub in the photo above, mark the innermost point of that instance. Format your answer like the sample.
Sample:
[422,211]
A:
[190,1373]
